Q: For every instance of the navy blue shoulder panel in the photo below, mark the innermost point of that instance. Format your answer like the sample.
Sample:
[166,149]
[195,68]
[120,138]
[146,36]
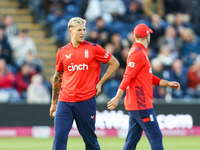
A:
[138,48]
[89,43]
[63,47]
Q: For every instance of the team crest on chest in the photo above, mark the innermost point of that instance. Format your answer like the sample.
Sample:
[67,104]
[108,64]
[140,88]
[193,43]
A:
[86,53]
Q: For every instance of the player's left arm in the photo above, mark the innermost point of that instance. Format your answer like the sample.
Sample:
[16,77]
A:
[113,66]
[161,82]
[172,84]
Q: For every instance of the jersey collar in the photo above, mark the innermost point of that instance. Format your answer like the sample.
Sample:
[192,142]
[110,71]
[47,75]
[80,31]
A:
[140,45]
[82,43]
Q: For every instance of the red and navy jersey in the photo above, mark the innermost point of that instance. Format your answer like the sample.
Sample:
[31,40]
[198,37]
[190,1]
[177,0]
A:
[81,69]
[138,80]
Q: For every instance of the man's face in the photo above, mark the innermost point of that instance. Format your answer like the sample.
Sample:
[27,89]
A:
[78,33]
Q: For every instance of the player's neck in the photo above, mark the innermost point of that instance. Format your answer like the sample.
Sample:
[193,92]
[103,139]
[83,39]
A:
[75,43]
[144,43]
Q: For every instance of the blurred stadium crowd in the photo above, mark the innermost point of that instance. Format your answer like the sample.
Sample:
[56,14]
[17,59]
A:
[174,50]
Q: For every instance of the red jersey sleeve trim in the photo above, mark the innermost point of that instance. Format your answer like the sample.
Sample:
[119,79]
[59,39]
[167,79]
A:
[156,80]
[125,82]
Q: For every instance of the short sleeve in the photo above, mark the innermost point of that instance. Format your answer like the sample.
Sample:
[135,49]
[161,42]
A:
[59,65]
[135,62]
[102,55]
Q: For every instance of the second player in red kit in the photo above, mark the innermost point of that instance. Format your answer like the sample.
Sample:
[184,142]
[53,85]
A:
[138,82]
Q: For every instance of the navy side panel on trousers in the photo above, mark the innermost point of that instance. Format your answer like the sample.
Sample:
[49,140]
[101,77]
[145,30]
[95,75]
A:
[84,114]
[139,121]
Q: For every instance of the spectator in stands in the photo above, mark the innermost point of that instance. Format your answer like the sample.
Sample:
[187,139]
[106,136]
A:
[21,46]
[35,63]
[193,76]
[133,14]
[158,26]
[37,93]
[23,79]
[122,61]
[93,36]
[170,38]
[5,49]
[181,22]
[116,41]
[190,48]
[10,29]
[112,8]
[7,79]
[157,67]
[103,30]
[157,70]
[178,73]
[151,7]
[165,56]
[93,9]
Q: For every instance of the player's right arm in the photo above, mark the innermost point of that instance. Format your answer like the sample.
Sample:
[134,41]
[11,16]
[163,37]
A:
[135,62]
[56,84]
[57,80]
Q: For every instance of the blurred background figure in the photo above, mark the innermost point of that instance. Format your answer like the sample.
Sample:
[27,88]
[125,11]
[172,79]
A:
[9,27]
[191,46]
[35,63]
[112,8]
[165,56]
[37,93]
[7,80]
[23,79]
[181,21]
[122,60]
[178,73]
[5,49]
[170,38]
[157,70]
[152,7]
[193,76]
[21,45]
[158,26]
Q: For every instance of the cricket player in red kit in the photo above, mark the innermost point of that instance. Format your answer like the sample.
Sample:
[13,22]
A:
[138,82]
[76,80]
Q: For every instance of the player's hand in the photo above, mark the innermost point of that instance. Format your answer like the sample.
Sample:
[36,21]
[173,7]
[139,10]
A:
[174,85]
[113,103]
[52,109]
[98,89]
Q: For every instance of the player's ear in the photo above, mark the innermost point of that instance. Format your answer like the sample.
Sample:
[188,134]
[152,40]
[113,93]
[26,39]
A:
[70,31]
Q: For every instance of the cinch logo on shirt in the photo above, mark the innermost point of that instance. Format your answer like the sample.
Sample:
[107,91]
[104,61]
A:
[131,64]
[77,67]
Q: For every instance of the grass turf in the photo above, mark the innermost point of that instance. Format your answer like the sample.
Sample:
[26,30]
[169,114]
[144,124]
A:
[170,143]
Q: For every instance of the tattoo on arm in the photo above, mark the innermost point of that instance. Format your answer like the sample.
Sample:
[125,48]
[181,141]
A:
[57,80]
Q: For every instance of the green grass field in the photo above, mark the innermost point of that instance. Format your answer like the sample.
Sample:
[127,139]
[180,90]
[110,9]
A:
[170,143]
